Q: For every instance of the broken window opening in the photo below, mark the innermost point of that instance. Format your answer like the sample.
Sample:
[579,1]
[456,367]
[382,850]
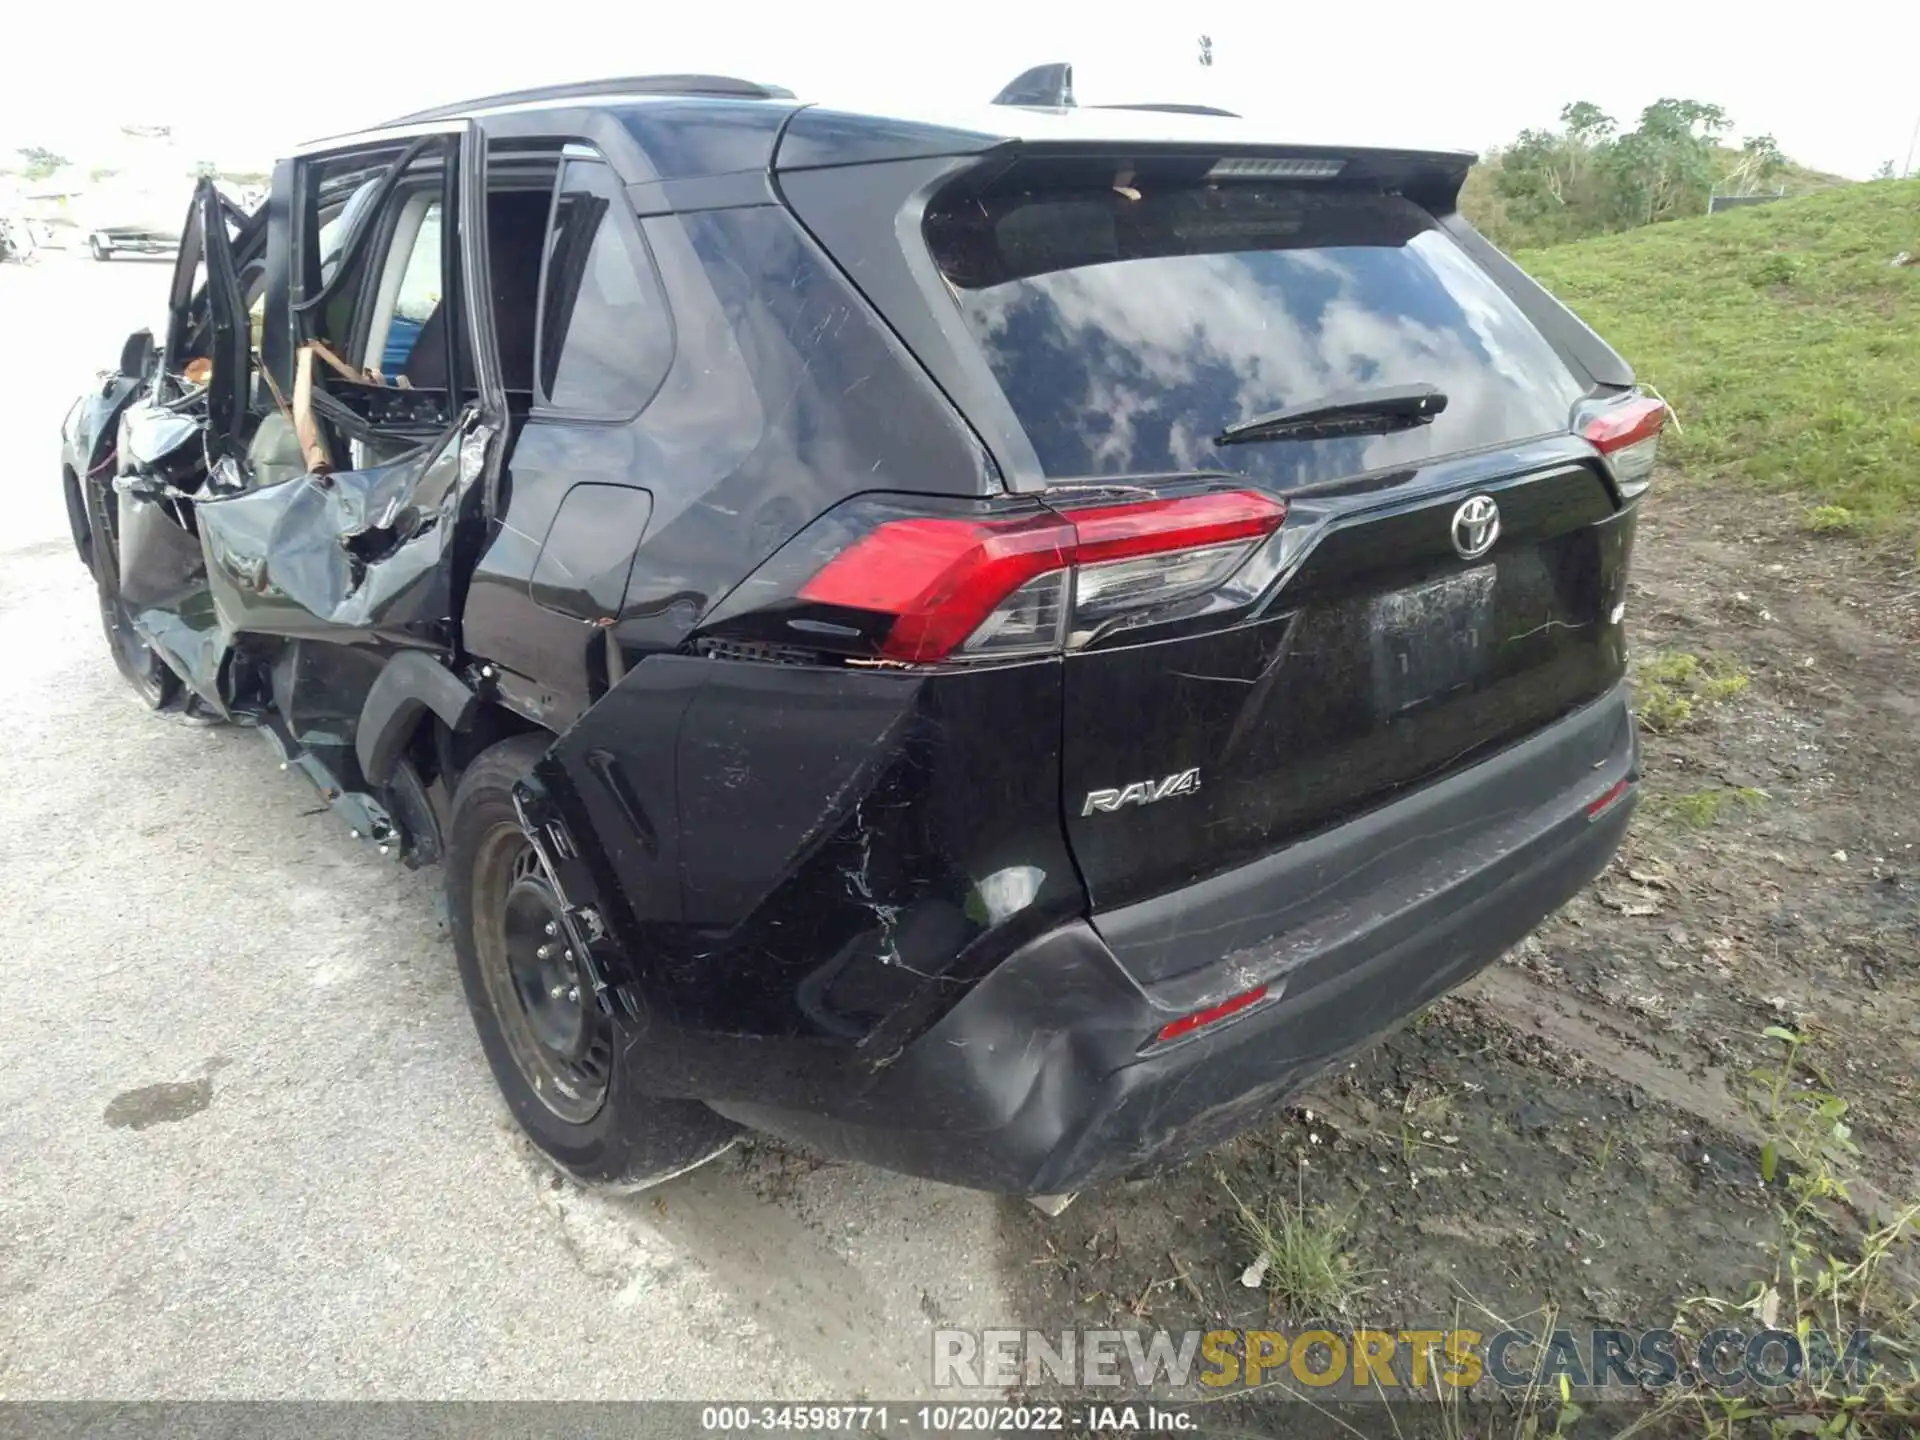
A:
[380,304]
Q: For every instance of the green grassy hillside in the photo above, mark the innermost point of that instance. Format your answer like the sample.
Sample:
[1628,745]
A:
[1787,342]
[1483,204]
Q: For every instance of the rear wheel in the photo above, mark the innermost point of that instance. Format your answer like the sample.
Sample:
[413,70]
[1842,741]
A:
[101,250]
[559,1061]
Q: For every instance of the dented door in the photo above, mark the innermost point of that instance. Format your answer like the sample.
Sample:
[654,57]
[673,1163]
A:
[172,441]
[351,555]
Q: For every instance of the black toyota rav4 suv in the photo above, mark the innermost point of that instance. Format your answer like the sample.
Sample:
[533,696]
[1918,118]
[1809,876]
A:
[996,647]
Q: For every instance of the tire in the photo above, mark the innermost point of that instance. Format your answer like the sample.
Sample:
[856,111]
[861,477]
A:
[100,251]
[559,1062]
[150,678]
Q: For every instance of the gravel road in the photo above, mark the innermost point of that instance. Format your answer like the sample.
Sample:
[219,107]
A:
[248,1143]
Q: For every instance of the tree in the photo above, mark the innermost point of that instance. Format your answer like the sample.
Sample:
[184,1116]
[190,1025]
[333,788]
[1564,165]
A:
[1885,172]
[1586,122]
[1586,177]
[41,162]
[1665,168]
[1547,177]
[1206,50]
[1760,160]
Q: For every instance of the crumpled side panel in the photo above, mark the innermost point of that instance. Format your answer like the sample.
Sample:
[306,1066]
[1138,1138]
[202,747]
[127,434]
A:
[347,555]
[160,562]
[189,639]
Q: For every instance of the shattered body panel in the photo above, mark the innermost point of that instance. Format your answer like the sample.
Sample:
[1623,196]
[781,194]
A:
[351,557]
[233,571]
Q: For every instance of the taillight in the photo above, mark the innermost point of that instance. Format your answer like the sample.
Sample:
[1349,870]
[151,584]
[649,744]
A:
[1628,434]
[981,589]
[952,583]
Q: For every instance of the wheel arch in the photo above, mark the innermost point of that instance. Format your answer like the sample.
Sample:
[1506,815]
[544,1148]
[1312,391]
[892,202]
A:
[77,521]
[410,687]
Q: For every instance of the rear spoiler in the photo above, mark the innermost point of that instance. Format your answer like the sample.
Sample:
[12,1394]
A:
[816,138]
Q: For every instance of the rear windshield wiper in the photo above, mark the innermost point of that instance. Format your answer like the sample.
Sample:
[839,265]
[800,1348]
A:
[1379,411]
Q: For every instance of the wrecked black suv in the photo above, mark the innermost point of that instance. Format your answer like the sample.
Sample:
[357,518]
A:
[996,648]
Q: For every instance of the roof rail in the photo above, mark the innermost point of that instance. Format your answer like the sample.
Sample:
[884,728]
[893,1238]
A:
[715,85]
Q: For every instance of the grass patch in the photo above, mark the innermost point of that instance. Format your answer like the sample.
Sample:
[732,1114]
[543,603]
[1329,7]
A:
[1663,709]
[1670,667]
[1301,1255]
[1786,341]
[1839,1265]
[1670,682]
[1703,808]
[1831,520]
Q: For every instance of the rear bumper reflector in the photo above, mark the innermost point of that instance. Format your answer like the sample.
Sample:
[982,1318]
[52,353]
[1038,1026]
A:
[1612,796]
[1212,1015]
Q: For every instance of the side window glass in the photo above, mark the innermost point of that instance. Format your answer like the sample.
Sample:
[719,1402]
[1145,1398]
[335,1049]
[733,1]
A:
[605,337]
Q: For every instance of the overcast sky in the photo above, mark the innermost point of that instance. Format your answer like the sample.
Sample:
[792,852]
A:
[1837,84]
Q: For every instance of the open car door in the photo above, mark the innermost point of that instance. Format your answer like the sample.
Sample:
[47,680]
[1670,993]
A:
[177,445]
[368,543]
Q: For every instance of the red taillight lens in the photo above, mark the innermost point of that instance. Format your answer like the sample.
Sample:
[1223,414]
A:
[1212,1015]
[1628,434]
[986,589]
[940,579]
[1152,527]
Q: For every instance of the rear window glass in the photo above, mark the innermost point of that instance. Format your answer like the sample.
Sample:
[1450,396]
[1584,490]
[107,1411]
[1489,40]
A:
[1128,332]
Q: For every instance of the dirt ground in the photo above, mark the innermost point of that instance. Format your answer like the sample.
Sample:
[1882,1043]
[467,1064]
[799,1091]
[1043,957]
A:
[1568,1135]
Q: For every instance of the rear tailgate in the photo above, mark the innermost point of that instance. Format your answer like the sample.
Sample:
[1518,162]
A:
[1386,660]
[1437,592]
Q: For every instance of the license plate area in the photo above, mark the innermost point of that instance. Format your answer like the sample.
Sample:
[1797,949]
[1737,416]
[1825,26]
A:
[1430,640]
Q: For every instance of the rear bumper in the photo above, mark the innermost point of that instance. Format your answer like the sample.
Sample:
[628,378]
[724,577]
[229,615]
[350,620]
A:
[1044,1079]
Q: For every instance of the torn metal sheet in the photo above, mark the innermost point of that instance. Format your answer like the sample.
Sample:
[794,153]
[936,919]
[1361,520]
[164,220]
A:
[190,640]
[161,564]
[335,554]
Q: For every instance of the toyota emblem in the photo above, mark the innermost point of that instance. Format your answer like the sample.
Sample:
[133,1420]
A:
[1476,525]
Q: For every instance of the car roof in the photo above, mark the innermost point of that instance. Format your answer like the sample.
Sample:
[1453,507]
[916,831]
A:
[963,130]
[1137,124]
[858,133]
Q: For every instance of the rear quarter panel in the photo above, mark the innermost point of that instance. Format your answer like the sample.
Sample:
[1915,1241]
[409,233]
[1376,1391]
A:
[785,396]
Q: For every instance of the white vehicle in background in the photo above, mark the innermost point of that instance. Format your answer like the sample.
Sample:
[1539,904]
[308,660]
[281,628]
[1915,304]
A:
[133,219]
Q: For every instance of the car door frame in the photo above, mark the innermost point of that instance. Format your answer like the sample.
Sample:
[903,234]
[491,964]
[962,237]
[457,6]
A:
[465,287]
[204,240]
[471,277]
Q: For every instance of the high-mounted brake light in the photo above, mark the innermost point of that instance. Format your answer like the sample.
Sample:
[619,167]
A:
[1628,434]
[1275,167]
[970,589]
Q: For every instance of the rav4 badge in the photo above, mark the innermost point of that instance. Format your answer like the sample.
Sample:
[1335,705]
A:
[1143,792]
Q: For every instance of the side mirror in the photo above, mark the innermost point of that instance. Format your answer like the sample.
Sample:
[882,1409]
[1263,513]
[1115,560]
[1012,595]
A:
[138,355]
